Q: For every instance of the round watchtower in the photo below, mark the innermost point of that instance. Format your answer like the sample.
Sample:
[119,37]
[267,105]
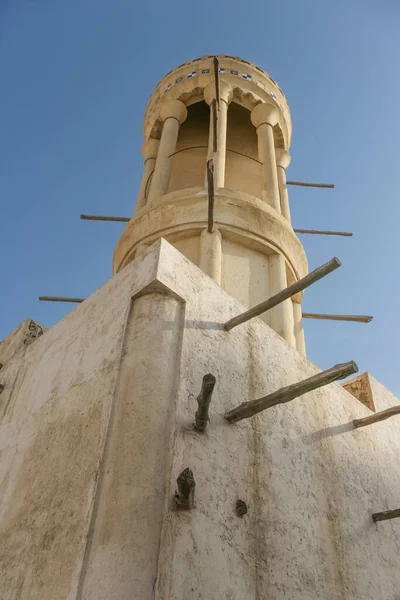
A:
[244,124]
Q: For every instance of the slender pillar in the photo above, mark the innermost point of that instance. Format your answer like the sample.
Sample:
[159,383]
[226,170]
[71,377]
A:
[282,162]
[149,151]
[211,254]
[264,117]
[173,113]
[298,328]
[281,315]
[225,97]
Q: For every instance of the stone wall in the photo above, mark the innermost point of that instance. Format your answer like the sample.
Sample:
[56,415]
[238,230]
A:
[100,426]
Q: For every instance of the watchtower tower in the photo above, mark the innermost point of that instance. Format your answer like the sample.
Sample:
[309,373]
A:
[230,110]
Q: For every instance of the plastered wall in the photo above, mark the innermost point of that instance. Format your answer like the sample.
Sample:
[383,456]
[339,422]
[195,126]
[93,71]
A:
[100,426]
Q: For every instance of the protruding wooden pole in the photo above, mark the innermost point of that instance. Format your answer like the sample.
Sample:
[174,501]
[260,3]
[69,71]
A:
[379,416]
[356,318]
[322,232]
[216,78]
[210,184]
[203,400]
[241,508]
[100,218]
[184,496]
[59,299]
[388,514]
[214,114]
[215,105]
[290,392]
[288,292]
[318,185]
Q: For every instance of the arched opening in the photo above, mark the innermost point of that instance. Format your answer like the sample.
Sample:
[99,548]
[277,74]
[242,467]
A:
[242,171]
[190,156]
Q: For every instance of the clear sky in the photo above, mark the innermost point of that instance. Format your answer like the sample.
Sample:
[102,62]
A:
[75,79]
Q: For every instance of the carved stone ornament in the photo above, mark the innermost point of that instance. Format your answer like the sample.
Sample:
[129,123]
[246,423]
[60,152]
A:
[34,332]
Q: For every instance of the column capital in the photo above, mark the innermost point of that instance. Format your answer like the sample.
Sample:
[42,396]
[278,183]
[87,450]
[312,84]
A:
[150,148]
[225,92]
[282,158]
[174,109]
[264,113]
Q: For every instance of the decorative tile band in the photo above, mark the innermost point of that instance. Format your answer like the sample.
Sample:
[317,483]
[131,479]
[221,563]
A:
[222,70]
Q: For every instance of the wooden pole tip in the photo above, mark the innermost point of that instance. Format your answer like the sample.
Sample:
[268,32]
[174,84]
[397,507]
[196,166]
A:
[209,379]
[353,366]
[336,261]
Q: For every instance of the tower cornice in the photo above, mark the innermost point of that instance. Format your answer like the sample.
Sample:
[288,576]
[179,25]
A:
[251,85]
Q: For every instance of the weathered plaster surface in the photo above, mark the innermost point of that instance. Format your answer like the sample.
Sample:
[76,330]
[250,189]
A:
[17,341]
[100,427]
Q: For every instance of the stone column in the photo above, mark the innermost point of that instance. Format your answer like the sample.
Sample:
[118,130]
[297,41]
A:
[173,113]
[298,328]
[281,315]
[225,96]
[282,162]
[264,117]
[149,151]
[211,254]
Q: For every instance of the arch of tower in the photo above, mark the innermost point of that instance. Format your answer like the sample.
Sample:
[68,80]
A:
[253,252]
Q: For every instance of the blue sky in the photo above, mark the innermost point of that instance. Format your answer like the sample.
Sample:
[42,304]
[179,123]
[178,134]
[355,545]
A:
[75,79]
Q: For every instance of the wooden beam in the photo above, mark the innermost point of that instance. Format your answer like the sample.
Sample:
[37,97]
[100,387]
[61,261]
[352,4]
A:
[210,185]
[317,185]
[290,392]
[203,400]
[241,508]
[99,218]
[355,318]
[214,115]
[59,299]
[184,495]
[321,232]
[379,416]
[215,105]
[388,514]
[288,292]
[216,78]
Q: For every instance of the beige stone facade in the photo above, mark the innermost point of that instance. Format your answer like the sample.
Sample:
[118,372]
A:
[253,251]
[97,412]
[99,424]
